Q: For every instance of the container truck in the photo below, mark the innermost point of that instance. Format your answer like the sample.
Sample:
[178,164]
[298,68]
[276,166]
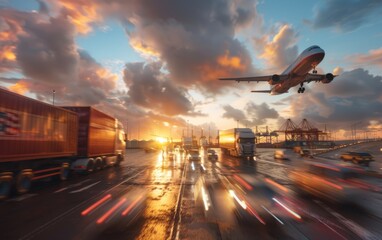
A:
[39,140]
[238,142]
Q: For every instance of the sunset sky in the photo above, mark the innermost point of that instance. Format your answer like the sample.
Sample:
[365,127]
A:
[154,64]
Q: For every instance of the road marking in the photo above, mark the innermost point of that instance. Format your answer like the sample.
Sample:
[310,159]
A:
[22,197]
[71,186]
[352,226]
[84,188]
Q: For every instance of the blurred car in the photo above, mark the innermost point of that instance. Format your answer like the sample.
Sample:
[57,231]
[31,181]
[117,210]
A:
[335,182]
[305,153]
[281,154]
[150,150]
[193,155]
[256,201]
[211,155]
[357,157]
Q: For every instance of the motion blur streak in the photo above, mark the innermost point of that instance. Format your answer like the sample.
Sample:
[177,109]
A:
[329,183]
[286,208]
[243,182]
[192,166]
[242,203]
[254,213]
[108,213]
[273,215]
[270,181]
[131,206]
[95,205]
[204,169]
[205,199]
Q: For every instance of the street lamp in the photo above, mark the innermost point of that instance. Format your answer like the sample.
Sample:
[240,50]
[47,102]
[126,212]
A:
[54,91]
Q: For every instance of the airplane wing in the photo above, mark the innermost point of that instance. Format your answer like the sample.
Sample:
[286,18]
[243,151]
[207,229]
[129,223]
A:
[267,78]
[317,77]
[261,91]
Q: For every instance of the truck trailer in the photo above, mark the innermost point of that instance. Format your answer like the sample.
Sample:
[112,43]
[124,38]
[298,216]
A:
[39,140]
[238,142]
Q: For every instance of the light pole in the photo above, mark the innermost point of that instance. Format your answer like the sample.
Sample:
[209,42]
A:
[54,91]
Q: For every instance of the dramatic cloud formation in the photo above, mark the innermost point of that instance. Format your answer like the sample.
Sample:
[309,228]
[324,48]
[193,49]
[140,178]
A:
[279,51]
[345,15]
[148,88]
[354,96]
[253,114]
[46,54]
[179,34]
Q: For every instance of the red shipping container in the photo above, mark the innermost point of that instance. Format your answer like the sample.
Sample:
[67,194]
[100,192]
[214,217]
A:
[96,132]
[30,129]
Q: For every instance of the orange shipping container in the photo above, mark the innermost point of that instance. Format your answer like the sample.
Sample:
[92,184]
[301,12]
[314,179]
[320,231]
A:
[30,129]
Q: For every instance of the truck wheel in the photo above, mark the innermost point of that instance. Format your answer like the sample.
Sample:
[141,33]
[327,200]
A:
[98,164]
[64,172]
[5,184]
[104,164]
[118,162]
[24,181]
[90,166]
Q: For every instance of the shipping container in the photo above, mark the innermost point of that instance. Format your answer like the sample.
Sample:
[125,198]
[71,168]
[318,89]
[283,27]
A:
[96,132]
[30,129]
[39,140]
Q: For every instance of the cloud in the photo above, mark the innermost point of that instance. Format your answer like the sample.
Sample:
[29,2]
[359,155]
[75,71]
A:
[373,57]
[260,113]
[178,33]
[354,96]
[280,50]
[345,16]
[252,115]
[149,88]
[48,58]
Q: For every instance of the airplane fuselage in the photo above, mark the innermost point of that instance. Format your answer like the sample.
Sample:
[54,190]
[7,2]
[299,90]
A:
[298,70]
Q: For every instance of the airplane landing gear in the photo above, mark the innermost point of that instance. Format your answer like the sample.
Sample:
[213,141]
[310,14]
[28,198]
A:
[301,89]
[314,70]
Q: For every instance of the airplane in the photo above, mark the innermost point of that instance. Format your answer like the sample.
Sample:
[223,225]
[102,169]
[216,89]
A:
[297,73]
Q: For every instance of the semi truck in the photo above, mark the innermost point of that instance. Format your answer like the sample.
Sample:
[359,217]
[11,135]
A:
[238,142]
[39,140]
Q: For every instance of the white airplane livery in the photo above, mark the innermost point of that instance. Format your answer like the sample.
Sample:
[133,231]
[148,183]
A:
[296,74]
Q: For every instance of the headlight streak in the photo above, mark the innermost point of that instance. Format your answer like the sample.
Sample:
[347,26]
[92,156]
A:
[279,186]
[192,166]
[205,199]
[242,203]
[204,169]
[273,215]
[286,208]
[95,205]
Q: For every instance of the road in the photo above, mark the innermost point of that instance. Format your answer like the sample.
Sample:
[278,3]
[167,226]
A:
[173,198]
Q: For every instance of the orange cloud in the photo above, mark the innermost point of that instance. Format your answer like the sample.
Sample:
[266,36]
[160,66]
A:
[20,87]
[82,13]
[233,62]
[8,53]
[143,48]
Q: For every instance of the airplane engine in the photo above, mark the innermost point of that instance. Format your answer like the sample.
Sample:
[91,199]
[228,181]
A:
[328,78]
[275,79]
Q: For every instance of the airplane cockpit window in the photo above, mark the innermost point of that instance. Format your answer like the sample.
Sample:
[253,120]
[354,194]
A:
[313,47]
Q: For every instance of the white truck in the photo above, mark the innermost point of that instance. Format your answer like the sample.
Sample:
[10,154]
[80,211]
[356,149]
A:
[238,142]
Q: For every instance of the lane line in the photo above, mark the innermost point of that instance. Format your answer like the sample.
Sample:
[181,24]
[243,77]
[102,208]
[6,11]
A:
[84,188]
[72,186]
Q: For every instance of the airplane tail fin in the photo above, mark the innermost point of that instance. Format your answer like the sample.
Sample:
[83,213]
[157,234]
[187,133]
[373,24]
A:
[262,91]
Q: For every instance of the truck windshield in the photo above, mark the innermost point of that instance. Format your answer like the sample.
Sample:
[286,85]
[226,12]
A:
[245,140]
